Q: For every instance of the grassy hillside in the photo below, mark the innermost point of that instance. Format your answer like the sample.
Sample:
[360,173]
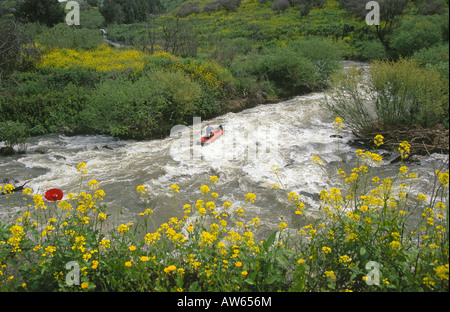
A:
[255,22]
[233,58]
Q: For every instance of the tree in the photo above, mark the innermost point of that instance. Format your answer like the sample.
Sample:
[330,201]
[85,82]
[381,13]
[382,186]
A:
[304,6]
[129,11]
[12,46]
[390,12]
[178,38]
[48,12]
[230,5]
[281,5]
[187,9]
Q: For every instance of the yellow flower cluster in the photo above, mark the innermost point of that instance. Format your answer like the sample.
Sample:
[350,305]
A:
[209,72]
[378,140]
[338,124]
[217,235]
[71,219]
[8,189]
[404,149]
[102,59]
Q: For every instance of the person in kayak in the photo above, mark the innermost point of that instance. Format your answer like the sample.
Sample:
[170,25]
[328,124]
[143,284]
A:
[209,130]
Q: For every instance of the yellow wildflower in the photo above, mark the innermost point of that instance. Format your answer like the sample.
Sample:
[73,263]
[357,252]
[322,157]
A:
[378,140]
[214,179]
[404,149]
[330,275]
[250,197]
[141,189]
[174,188]
[122,228]
[442,271]
[338,124]
[205,189]
[81,168]
[170,269]
[326,250]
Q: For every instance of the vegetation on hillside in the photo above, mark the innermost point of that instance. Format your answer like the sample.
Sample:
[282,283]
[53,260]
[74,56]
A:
[234,54]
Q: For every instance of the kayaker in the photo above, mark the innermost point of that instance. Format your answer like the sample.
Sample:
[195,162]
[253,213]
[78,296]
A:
[209,130]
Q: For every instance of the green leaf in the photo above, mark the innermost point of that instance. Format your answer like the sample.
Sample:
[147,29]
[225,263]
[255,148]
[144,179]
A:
[194,287]
[283,260]
[269,241]
[362,251]
[250,281]
[272,279]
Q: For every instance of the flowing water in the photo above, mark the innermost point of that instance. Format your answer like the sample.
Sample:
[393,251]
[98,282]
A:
[285,135]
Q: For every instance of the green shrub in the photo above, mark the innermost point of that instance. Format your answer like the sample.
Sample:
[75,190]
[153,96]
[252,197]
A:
[394,94]
[414,34]
[437,58]
[66,37]
[407,94]
[288,71]
[433,55]
[123,108]
[44,107]
[13,133]
[146,107]
[301,66]
[181,92]
[321,52]
[373,50]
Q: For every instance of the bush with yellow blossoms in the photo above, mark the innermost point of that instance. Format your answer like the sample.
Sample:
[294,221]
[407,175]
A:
[101,59]
[371,234]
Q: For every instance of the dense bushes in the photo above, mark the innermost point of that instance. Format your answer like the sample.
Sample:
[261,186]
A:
[13,133]
[128,11]
[395,94]
[123,108]
[413,35]
[64,37]
[144,108]
[265,57]
[301,66]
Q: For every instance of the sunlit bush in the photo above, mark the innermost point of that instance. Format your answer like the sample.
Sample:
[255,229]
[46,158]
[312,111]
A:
[102,59]
[394,94]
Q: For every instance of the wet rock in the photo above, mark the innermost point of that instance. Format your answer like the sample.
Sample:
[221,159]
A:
[7,151]
[40,150]
[337,136]
[59,157]
[310,195]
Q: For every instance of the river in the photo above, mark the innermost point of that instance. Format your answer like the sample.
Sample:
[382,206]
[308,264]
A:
[285,135]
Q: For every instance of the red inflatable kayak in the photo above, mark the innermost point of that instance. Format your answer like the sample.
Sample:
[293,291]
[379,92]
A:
[206,140]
